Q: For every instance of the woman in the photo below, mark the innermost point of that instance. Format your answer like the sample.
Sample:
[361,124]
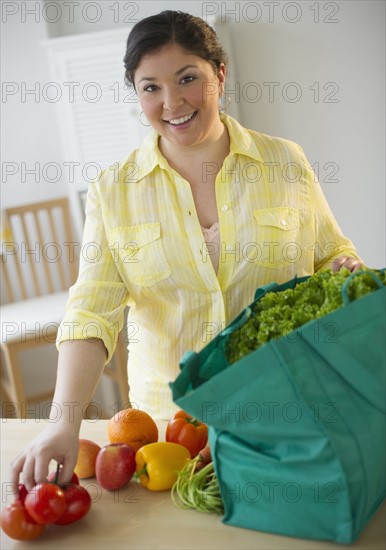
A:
[199,176]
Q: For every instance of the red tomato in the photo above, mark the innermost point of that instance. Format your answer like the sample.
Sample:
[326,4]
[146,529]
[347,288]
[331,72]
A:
[187,431]
[22,493]
[78,504]
[18,524]
[45,503]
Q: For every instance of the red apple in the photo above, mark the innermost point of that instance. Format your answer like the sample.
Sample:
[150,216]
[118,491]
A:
[115,466]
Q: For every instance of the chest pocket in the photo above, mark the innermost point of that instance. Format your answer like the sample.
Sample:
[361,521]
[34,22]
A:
[278,236]
[139,250]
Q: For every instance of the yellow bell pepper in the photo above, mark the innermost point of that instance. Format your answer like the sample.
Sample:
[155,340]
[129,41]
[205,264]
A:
[158,464]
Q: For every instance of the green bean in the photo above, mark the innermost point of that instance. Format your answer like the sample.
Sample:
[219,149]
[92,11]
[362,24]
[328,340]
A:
[199,490]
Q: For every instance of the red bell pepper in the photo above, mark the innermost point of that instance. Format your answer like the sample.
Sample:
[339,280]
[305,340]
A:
[187,431]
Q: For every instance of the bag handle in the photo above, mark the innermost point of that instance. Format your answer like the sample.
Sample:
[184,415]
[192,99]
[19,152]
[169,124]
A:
[247,312]
[275,287]
[264,289]
[189,375]
[345,297]
[239,322]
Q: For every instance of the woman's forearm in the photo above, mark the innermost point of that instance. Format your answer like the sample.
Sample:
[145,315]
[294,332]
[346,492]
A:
[80,367]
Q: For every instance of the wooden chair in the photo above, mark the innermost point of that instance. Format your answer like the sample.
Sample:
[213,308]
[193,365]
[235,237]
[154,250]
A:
[39,263]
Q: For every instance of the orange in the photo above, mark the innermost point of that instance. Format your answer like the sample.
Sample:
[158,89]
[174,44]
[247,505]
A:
[133,427]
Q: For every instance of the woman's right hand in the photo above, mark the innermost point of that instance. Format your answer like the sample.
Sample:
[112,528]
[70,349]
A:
[80,366]
[56,442]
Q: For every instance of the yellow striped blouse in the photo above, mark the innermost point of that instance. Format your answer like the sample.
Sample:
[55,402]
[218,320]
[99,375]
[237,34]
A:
[143,247]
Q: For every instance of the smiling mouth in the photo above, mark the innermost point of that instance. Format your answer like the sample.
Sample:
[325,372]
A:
[181,120]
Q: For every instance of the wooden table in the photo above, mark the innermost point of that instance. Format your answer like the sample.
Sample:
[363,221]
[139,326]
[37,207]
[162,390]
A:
[140,519]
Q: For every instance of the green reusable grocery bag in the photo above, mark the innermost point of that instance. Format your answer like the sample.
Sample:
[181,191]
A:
[297,427]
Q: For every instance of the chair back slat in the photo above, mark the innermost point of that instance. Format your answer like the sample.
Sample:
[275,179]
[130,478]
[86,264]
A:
[67,229]
[28,253]
[7,283]
[47,272]
[56,240]
[12,268]
[37,258]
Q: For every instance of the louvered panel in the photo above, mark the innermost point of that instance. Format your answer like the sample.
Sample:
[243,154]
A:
[87,115]
[113,50]
[109,128]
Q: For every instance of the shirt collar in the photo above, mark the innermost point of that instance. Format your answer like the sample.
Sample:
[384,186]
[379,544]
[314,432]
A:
[241,142]
[149,156]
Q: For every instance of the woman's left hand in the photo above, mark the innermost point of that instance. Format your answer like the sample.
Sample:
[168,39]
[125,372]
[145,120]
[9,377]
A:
[352,264]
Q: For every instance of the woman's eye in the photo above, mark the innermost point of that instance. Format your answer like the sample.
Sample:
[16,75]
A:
[187,79]
[150,88]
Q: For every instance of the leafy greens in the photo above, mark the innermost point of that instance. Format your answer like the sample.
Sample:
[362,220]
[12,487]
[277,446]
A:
[277,314]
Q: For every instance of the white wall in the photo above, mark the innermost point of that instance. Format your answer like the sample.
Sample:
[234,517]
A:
[347,137]
[28,122]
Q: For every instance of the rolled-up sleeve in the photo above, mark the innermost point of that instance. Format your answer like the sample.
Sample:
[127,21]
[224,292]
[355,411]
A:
[330,241]
[96,302]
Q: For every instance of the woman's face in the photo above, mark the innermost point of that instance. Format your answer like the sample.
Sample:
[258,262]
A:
[178,93]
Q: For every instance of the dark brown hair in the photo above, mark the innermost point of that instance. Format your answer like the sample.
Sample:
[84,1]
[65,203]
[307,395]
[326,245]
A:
[192,33]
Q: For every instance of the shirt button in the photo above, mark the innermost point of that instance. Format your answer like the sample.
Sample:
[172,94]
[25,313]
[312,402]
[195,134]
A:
[224,208]
[283,222]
